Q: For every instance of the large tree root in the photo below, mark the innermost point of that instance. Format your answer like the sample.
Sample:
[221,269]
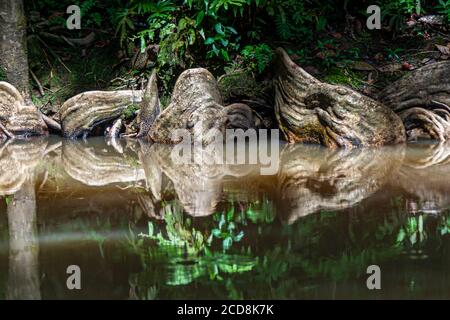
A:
[80,114]
[196,109]
[335,116]
[16,118]
[150,107]
[422,99]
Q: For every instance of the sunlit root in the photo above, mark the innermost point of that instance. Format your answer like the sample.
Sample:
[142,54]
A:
[80,114]
[16,118]
[195,107]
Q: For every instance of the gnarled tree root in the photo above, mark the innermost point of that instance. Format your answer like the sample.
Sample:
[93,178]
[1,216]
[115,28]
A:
[310,111]
[16,118]
[196,109]
[425,124]
[422,99]
[150,107]
[80,114]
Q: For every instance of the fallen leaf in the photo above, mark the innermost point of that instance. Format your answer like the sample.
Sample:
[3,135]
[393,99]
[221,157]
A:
[443,49]
[361,66]
[391,67]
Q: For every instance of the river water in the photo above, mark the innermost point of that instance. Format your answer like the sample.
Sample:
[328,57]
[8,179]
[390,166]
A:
[139,225]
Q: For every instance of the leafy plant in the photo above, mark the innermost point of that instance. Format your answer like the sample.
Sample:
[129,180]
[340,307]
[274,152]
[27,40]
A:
[444,8]
[2,74]
[257,57]
[227,231]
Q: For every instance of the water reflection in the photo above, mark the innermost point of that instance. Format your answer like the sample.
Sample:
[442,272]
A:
[313,179]
[166,230]
[18,161]
[99,166]
[24,280]
[424,177]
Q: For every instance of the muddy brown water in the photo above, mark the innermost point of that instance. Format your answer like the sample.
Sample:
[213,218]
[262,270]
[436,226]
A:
[140,225]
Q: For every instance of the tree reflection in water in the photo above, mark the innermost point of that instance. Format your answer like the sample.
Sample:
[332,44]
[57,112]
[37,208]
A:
[163,230]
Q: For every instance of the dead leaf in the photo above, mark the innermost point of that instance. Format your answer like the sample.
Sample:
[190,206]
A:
[445,50]
[391,67]
[361,66]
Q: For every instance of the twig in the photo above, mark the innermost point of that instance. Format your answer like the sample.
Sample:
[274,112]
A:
[8,134]
[51,123]
[89,39]
[41,89]
[54,54]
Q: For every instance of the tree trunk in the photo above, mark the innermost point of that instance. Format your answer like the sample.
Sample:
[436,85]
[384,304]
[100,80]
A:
[20,118]
[310,111]
[13,45]
[422,99]
[23,278]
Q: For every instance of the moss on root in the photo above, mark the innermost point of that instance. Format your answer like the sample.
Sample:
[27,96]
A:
[239,85]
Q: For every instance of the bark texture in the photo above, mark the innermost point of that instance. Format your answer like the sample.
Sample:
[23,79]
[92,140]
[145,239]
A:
[240,116]
[150,107]
[196,106]
[17,118]
[80,114]
[13,45]
[422,99]
[310,111]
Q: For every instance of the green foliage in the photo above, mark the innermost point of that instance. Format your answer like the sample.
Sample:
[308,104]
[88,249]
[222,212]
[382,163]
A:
[296,20]
[226,230]
[257,57]
[343,76]
[130,112]
[444,8]
[216,29]
[8,200]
